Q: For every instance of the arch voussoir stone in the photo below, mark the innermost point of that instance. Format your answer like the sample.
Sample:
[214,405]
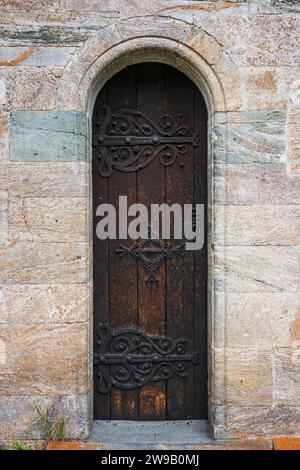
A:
[193,51]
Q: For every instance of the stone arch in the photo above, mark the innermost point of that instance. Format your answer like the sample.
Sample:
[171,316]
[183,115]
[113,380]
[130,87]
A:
[187,48]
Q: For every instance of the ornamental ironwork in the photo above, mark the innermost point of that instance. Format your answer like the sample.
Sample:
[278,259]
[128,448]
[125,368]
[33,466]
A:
[128,140]
[129,359]
[151,253]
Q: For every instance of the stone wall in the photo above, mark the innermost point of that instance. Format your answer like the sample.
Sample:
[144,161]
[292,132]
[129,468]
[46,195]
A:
[247,53]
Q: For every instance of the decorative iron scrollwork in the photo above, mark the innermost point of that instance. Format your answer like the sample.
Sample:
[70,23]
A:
[150,253]
[128,140]
[129,359]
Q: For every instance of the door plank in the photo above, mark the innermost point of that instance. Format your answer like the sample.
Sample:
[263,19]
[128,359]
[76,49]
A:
[122,271]
[151,188]
[180,289]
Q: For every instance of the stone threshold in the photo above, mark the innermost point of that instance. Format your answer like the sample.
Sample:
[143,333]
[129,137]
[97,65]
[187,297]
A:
[163,435]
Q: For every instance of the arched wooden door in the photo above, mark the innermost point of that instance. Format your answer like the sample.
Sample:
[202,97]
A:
[150,320]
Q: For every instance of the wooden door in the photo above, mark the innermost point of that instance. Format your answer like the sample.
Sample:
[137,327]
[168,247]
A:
[150,304]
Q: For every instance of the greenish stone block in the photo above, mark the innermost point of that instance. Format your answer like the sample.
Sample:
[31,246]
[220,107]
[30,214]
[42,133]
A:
[48,136]
[249,142]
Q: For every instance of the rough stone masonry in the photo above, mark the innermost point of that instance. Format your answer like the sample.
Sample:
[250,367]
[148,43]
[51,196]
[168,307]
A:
[244,54]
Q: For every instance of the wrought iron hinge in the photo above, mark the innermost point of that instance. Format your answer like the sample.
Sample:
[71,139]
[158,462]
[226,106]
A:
[128,140]
[129,359]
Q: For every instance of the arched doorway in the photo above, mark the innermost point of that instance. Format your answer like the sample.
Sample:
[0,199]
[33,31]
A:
[150,298]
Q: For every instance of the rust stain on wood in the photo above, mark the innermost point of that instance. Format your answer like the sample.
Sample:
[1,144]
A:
[132,405]
[153,401]
[116,397]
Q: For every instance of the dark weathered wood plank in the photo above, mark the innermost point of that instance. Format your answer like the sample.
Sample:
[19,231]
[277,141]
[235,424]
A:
[151,187]
[122,271]
[180,271]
